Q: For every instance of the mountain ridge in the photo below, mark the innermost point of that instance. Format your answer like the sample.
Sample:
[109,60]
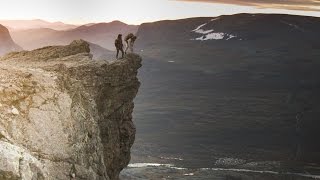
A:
[36,23]
[7,44]
[102,34]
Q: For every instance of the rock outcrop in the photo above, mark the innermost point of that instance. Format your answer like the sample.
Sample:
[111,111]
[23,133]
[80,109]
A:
[6,42]
[64,115]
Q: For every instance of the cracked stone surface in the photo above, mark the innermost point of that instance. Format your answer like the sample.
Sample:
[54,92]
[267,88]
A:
[64,115]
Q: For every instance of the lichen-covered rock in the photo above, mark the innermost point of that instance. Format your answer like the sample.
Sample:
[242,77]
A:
[64,115]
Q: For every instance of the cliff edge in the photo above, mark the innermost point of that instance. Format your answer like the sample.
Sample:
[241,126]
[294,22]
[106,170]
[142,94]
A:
[64,115]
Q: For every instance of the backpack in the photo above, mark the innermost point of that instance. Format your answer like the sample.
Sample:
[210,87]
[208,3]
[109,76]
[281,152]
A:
[129,36]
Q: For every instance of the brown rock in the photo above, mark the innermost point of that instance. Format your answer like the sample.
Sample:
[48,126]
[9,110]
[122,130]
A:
[74,114]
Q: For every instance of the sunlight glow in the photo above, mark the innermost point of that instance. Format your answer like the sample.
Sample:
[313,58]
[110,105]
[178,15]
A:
[129,11]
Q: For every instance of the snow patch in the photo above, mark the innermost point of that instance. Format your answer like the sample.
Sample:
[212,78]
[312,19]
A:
[210,34]
[189,174]
[178,168]
[140,165]
[215,36]
[214,19]
[201,31]
[231,36]
[172,158]
[199,27]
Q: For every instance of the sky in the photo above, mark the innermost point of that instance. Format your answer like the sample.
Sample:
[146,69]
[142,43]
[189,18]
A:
[139,11]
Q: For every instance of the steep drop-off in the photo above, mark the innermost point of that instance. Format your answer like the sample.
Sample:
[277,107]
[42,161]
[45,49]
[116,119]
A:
[64,115]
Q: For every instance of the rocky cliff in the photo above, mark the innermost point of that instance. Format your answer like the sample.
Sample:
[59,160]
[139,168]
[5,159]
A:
[64,115]
[6,42]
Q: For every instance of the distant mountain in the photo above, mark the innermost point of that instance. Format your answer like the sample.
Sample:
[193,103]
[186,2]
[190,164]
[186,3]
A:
[90,24]
[100,53]
[35,24]
[243,26]
[244,86]
[246,33]
[102,34]
[6,42]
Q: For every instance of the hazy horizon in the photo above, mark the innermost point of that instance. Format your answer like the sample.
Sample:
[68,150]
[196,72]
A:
[96,22]
[74,12]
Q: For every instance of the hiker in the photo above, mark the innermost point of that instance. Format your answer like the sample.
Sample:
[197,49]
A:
[130,39]
[119,45]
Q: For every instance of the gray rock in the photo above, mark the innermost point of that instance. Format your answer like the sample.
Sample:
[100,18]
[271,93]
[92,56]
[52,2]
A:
[74,114]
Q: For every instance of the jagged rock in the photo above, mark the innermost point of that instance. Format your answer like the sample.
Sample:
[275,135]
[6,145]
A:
[74,114]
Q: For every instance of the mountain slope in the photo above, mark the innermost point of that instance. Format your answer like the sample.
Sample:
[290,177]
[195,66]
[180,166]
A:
[7,44]
[197,41]
[243,26]
[35,24]
[253,92]
[102,34]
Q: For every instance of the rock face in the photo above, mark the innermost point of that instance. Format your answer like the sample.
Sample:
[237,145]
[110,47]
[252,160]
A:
[7,44]
[64,115]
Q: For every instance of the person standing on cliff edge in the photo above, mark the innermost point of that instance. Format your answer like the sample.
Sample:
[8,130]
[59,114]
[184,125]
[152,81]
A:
[119,45]
[130,39]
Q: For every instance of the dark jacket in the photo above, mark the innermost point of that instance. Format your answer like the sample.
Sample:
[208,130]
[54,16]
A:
[118,43]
